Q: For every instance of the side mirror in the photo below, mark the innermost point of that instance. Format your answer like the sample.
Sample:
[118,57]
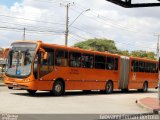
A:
[45,56]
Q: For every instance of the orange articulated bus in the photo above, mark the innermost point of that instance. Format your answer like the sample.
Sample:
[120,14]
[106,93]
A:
[39,66]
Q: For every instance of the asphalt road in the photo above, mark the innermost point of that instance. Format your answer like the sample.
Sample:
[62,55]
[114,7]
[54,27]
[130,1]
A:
[20,102]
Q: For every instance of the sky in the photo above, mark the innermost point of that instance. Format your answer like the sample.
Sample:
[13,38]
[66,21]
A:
[130,28]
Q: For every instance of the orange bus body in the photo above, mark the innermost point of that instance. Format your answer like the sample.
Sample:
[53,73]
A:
[79,78]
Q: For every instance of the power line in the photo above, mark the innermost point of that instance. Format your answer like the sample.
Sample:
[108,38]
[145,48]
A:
[124,43]
[48,1]
[103,31]
[36,27]
[31,20]
[110,22]
[22,29]
[45,31]
[100,35]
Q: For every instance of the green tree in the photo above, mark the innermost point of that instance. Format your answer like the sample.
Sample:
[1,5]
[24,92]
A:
[98,44]
[124,52]
[143,54]
[151,55]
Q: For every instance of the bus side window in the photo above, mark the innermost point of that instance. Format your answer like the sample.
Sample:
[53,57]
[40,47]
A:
[141,66]
[61,58]
[150,67]
[116,64]
[156,67]
[48,63]
[135,66]
[74,59]
[100,62]
[35,70]
[110,63]
[147,67]
[87,61]
[153,68]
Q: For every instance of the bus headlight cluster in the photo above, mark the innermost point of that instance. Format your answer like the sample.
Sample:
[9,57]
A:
[26,80]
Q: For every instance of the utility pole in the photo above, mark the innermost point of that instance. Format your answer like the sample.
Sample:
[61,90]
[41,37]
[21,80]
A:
[67,21]
[158,35]
[24,33]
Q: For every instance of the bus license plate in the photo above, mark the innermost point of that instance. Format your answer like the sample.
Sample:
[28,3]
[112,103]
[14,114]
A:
[15,84]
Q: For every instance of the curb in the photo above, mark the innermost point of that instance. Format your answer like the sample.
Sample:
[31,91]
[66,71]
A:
[155,111]
[143,106]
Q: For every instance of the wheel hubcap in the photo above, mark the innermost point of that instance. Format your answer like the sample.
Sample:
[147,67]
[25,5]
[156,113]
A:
[109,87]
[145,87]
[58,88]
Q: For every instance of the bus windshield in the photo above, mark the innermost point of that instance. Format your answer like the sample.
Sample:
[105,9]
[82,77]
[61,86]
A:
[20,59]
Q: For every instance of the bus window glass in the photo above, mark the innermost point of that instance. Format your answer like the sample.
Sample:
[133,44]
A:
[99,62]
[141,66]
[116,64]
[135,65]
[110,63]
[20,58]
[153,68]
[156,67]
[87,61]
[47,64]
[35,67]
[147,67]
[75,59]
[61,58]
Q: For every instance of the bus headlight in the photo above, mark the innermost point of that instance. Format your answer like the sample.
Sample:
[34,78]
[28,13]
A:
[26,80]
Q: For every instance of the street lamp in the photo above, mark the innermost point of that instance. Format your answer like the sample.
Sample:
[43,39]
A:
[67,26]
[79,16]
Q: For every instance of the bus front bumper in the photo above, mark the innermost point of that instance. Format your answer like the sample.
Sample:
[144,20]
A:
[17,86]
[20,84]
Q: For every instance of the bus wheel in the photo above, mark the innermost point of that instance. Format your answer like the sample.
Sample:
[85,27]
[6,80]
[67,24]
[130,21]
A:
[58,88]
[32,92]
[109,87]
[10,87]
[145,87]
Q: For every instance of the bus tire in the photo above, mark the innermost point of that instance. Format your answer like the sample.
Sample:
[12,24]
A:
[58,88]
[32,92]
[10,87]
[145,87]
[109,87]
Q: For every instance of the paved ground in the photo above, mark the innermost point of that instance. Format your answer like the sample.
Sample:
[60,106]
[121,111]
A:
[19,102]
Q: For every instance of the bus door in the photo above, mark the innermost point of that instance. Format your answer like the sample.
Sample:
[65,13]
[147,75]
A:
[134,73]
[43,66]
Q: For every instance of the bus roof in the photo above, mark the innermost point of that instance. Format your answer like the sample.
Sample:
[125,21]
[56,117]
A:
[79,49]
[82,50]
[143,59]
